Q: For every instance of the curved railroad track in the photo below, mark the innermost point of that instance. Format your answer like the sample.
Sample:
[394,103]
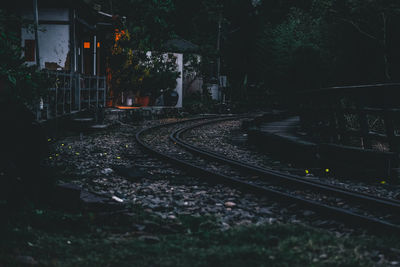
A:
[359,209]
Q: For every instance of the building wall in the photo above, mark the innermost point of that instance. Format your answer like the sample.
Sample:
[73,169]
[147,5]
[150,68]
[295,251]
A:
[192,81]
[192,85]
[58,14]
[179,81]
[53,38]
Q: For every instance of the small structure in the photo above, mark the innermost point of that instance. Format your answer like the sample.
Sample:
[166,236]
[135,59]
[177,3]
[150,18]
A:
[190,81]
[70,48]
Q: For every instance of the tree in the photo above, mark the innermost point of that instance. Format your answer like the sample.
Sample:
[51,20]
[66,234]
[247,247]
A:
[371,20]
[148,21]
[289,45]
[147,28]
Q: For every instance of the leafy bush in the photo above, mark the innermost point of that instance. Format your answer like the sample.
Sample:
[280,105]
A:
[197,103]
[139,72]
[18,81]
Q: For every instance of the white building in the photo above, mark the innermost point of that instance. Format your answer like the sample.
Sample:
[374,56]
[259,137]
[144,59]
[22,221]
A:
[70,38]
[190,80]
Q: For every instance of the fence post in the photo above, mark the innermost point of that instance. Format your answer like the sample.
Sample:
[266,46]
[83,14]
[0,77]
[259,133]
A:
[64,89]
[341,121]
[79,91]
[332,121]
[97,91]
[389,127]
[70,92]
[363,125]
[104,91]
[56,100]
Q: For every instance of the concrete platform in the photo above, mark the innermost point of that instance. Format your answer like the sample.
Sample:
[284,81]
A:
[283,139]
[142,113]
[288,128]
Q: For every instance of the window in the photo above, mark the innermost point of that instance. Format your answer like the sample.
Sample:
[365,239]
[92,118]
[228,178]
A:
[86,44]
[30,50]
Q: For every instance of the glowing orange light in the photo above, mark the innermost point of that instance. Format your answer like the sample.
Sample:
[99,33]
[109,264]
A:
[119,34]
[98,44]
[126,107]
[86,44]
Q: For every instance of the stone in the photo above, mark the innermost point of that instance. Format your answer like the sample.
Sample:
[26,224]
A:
[265,211]
[96,202]
[117,199]
[172,217]
[107,171]
[139,227]
[244,222]
[230,204]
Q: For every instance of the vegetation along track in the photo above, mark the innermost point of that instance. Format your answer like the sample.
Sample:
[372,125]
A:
[376,213]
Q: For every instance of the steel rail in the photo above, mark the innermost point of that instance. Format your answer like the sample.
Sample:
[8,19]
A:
[360,197]
[215,177]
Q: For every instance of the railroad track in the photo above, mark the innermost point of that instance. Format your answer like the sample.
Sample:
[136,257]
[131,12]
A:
[359,209]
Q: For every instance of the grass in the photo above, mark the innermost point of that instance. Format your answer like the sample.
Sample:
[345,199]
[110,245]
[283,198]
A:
[56,238]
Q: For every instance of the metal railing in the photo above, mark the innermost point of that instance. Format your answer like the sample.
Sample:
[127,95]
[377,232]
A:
[368,113]
[92,91]
[72,92]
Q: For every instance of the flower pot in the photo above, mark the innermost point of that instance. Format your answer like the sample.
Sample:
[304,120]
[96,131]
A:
[143,100]
[129,101]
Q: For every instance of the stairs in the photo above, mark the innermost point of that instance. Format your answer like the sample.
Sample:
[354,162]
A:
[87,121]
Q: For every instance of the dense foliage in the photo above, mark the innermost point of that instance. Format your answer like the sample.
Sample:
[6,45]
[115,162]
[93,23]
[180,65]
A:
[140,72]
[263,46]
[19,82]
[296,45]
